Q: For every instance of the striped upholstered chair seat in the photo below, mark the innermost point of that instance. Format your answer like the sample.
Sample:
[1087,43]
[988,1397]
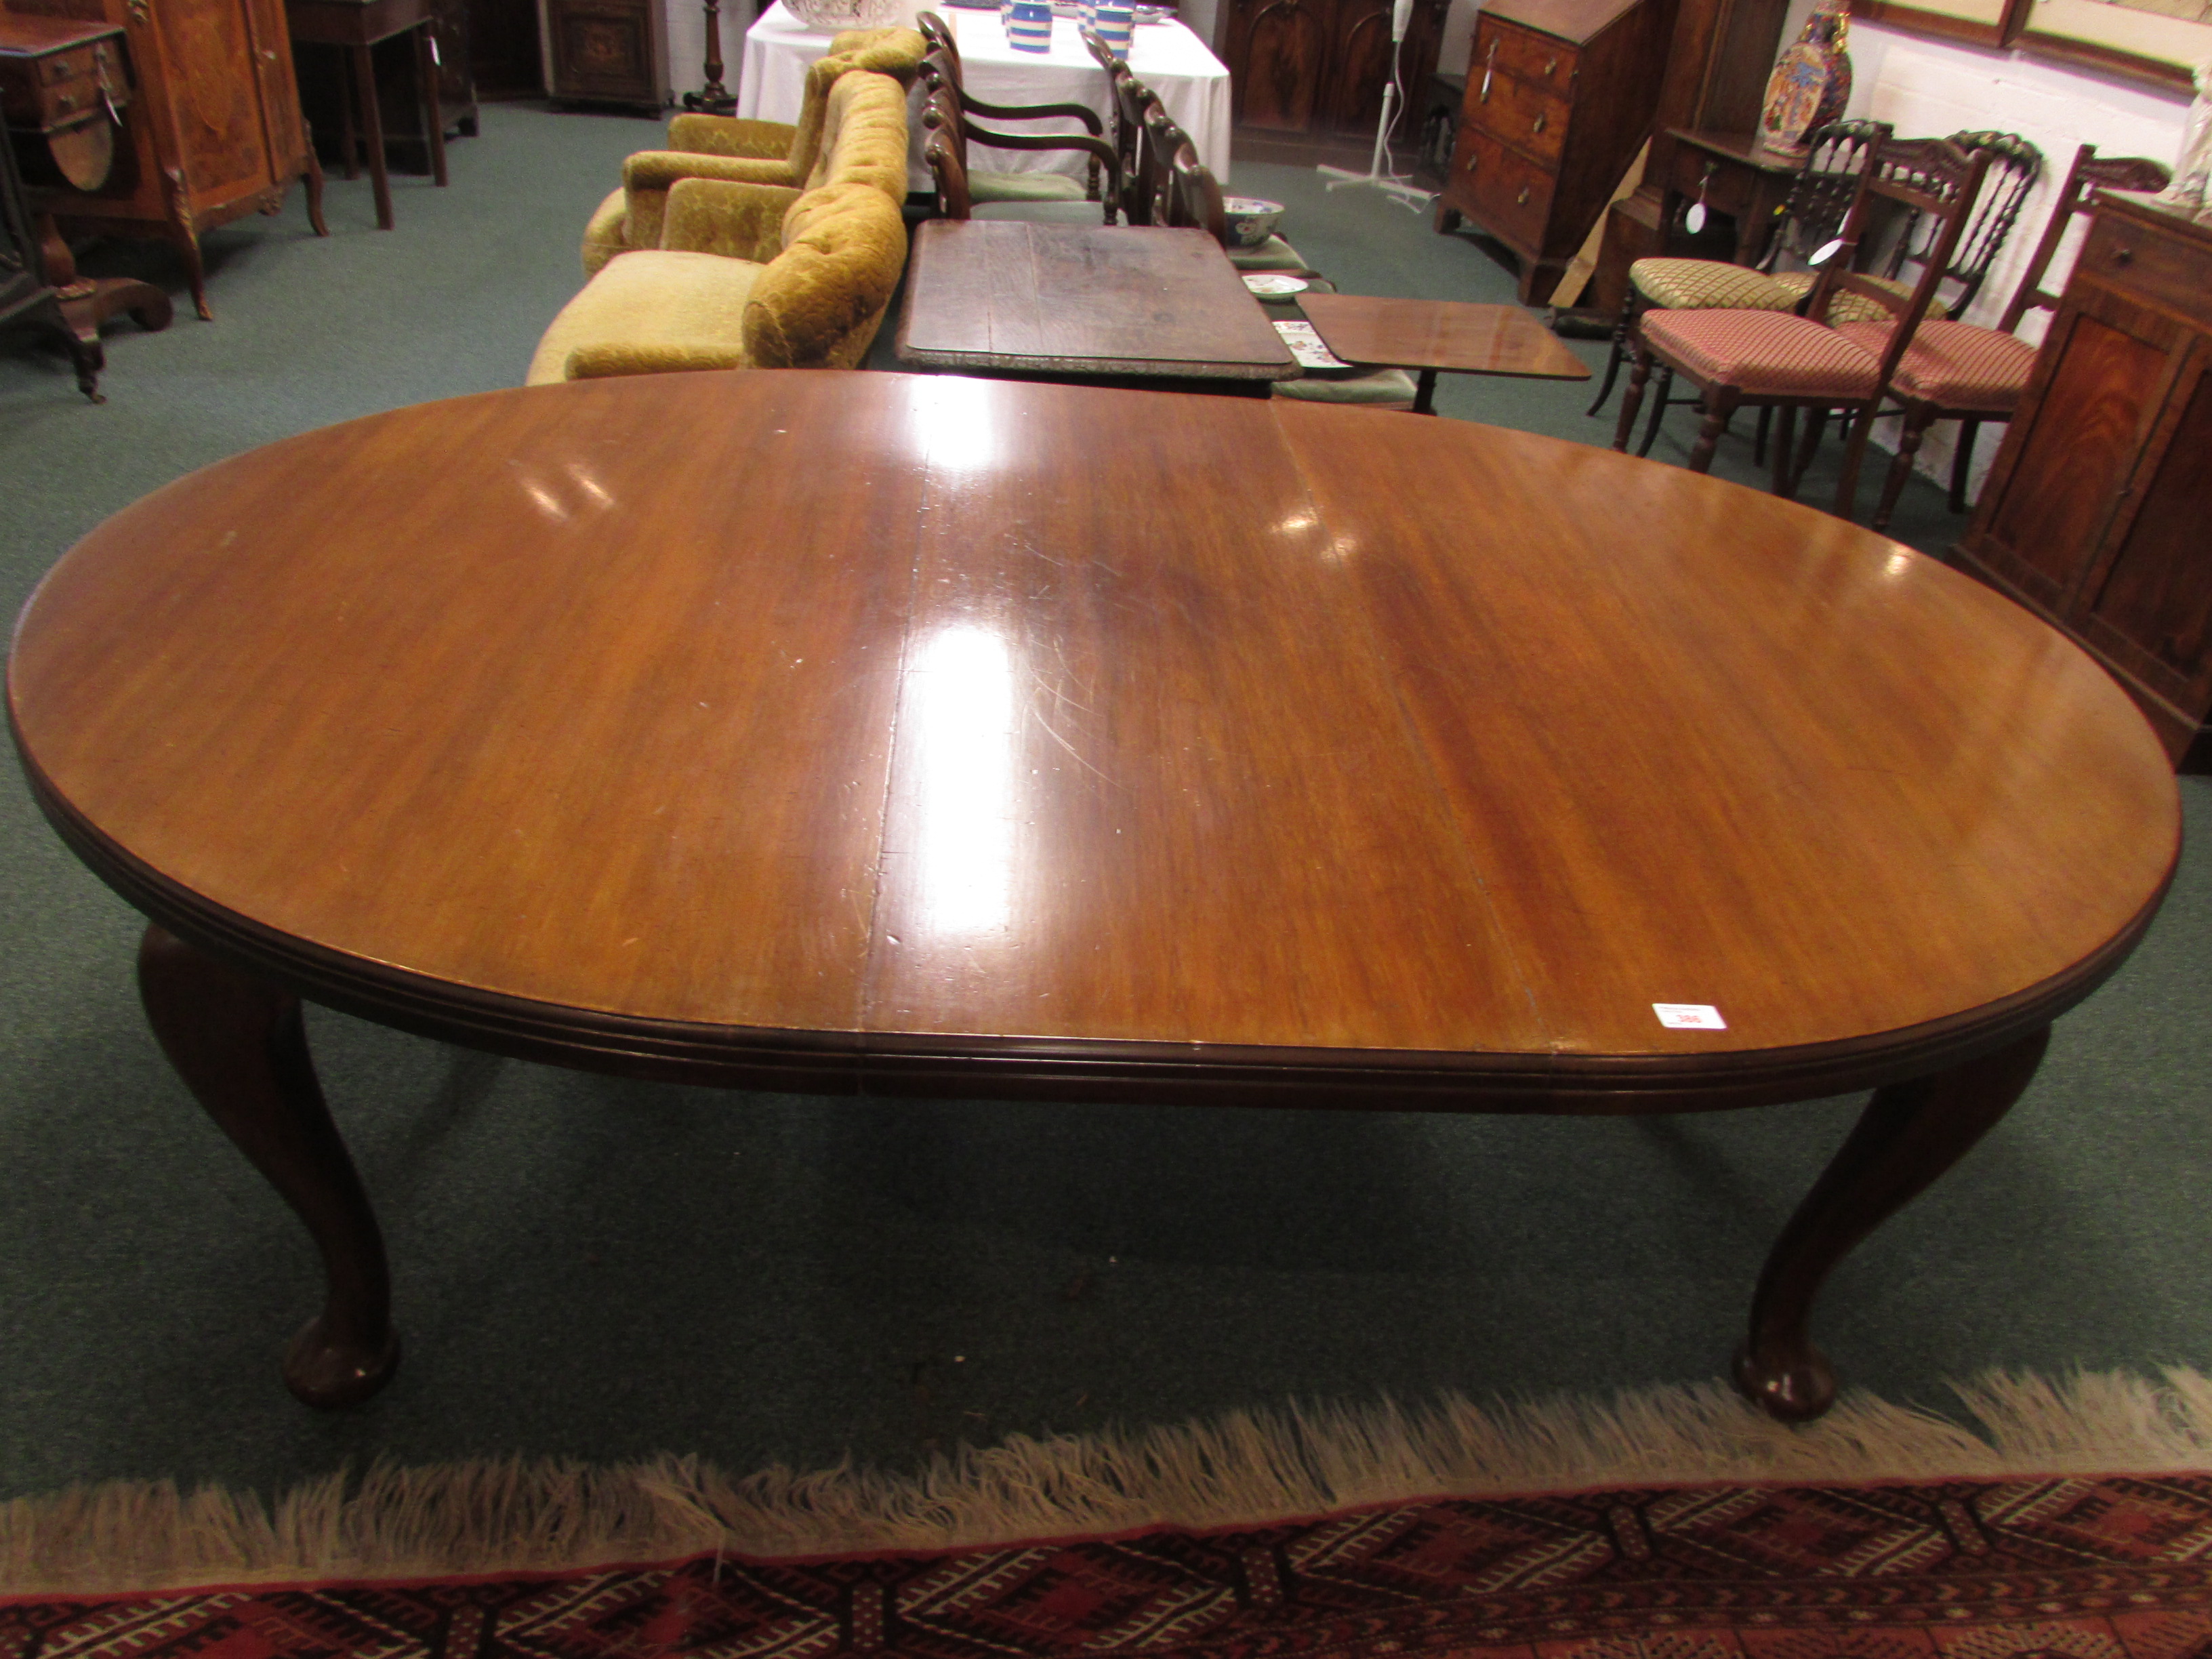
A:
[1764,353]
[1848,307]
[1958,365]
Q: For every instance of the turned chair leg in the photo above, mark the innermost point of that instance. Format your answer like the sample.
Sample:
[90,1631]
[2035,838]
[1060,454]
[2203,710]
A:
[1658,412]
[1720,406]
[1620,327]
[1962,462]
[1814,426]
[1916,423]
[1759,438]
[1847,486]
[1785,446]
[1632,399]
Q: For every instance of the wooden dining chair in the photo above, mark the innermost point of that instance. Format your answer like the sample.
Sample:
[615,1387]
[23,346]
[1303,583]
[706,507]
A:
[2014,165]
[1130,100]
[941,65]
[1782,360]
[1811,215]
[1962,372]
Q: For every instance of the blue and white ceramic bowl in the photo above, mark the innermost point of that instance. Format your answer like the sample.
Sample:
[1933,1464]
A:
[1251,221]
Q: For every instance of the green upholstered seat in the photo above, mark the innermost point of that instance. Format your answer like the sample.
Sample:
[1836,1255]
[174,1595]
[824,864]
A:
[1273,254]
[1077,212]
[1375,388]
[1028,187]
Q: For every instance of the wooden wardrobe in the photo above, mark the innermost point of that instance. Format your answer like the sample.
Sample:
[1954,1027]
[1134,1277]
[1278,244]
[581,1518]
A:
[212,131]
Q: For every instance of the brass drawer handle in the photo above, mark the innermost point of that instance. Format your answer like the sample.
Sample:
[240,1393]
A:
[1521,200]
[1489,65]
[2123,256]
[1537,125]
[1473,156]
[1551,66]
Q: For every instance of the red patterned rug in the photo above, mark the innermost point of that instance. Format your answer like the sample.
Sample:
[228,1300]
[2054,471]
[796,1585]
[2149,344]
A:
[2088,1567]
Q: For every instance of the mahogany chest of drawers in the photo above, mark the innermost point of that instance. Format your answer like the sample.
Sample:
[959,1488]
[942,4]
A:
[1560,98]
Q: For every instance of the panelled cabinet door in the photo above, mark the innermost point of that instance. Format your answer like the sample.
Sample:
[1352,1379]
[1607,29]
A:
[2096,511]
[2151,611]
[609,51]
[283,130]
[1360,64]
[1284,46]
[2107,362]
[1319,66]
[216,75]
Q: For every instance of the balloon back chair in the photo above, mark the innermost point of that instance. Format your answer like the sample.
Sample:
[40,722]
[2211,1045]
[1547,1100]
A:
[941,67]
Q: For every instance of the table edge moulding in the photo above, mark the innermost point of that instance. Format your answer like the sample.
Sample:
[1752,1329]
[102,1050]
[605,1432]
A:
[2093,513]
[1247,841]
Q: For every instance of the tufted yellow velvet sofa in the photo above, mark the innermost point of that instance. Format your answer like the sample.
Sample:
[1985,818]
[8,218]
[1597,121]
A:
[742,151]
[755,276]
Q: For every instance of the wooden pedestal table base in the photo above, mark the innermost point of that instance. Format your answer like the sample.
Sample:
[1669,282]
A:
[1108,746]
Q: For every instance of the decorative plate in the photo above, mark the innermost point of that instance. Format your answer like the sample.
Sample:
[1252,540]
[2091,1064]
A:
[1274,282]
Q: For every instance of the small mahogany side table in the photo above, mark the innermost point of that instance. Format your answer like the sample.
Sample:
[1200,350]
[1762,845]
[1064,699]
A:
[358,24]
[1731,173]
[1439,336]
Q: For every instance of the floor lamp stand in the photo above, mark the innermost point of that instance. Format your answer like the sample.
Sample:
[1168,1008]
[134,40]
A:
[713,98]
[1376,175]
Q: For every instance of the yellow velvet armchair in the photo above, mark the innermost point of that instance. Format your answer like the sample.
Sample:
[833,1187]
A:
[755,276]
[741,151]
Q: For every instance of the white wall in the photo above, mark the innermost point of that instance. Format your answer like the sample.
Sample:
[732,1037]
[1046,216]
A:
[1926,87]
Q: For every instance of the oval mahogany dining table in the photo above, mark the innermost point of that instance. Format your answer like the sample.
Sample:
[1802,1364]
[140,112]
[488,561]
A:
[919,735]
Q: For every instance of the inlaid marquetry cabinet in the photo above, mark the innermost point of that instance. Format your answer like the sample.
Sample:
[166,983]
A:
[2098,510]
[213,129]
[1318,67]
[606,52]
[1560,98]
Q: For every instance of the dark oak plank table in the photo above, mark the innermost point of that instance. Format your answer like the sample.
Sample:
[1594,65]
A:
[1057,743]
[1128,303]
[1439,336]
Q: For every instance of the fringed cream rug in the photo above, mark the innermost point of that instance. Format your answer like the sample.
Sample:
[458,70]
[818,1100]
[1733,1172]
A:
[2073,1522]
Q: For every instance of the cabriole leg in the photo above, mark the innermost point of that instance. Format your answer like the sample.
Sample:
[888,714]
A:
[1909,1134]
[239,1045]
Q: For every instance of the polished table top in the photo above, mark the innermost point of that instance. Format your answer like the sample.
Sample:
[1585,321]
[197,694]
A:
[1122,300]
[847,723]
[1452,335]
[843,732]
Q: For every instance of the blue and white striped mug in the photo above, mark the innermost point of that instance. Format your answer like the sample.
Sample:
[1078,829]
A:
[1028,26]
[1116,26]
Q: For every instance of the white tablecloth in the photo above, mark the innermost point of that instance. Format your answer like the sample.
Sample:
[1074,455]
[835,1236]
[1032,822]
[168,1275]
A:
[1166,57]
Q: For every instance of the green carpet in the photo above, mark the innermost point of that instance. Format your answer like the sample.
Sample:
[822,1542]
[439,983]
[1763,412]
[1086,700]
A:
[601,1268]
